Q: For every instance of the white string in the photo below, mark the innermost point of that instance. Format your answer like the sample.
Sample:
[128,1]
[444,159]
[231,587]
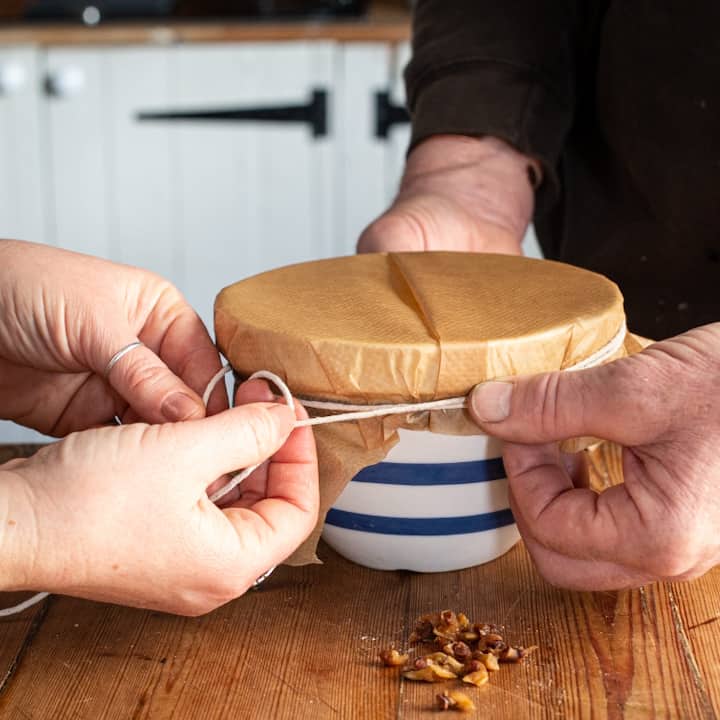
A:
[362,412]
[23,605]
[347,412]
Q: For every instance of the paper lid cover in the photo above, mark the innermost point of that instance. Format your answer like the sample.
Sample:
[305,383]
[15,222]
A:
[414,326]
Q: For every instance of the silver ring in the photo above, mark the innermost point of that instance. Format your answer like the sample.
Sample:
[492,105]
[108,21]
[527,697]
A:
[263,578]
[119,354]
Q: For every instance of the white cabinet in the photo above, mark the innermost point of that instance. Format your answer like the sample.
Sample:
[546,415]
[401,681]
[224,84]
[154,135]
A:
[207,199]
[23,212]
[22,189]
[373,135]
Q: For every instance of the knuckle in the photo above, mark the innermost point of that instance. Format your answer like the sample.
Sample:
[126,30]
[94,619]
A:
[196,607]
[673,555]
[394,228]
[542,400]
[559,401]
[513,460]
[548,403]
[209,594]
[144,376]
[261,431]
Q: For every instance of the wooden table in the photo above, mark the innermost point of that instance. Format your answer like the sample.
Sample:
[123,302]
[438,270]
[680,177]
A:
[305,646]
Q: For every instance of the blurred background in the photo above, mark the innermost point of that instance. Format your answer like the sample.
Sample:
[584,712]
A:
[204,141]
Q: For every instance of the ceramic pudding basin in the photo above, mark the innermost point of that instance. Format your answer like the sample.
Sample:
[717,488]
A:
[424,491]
[435,503]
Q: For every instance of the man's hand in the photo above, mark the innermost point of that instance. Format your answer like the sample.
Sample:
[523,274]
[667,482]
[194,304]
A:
[457,193]
[662,406]
[64,315]
[122,514]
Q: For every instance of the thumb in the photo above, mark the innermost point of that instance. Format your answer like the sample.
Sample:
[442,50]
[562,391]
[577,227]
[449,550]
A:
[148,385]
[233,439]
[609,402]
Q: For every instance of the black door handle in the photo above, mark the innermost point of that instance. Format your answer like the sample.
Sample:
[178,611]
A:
[313,113]
[387,114]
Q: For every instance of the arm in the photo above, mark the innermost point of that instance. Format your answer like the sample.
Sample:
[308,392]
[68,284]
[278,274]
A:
[490,90]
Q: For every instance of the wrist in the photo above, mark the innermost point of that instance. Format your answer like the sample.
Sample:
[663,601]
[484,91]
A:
[17,534]
[486,176]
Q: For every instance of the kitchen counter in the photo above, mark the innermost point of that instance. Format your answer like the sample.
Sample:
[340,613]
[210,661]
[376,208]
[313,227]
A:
[305,646]
[383,23]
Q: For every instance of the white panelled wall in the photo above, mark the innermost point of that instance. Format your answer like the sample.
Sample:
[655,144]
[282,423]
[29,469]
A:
[22,177]
[203,201]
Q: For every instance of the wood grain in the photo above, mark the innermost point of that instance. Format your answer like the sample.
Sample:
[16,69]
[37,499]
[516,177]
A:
[305,646]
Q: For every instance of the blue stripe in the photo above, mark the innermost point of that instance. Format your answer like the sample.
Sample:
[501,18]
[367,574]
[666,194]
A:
[389,473]
[419,526]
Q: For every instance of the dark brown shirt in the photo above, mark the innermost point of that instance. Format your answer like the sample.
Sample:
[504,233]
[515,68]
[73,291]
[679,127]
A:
[620,101]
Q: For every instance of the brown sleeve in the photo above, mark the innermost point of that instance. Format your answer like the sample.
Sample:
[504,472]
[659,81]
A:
[496,67]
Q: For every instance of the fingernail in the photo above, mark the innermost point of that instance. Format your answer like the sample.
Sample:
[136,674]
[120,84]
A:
[490,401]
[180,406]
[281,409]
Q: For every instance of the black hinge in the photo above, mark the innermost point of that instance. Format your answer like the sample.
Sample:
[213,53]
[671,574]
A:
[387,114]
[314,114]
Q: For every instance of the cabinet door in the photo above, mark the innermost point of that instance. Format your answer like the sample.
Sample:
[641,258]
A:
[398,134]
[22,192]
[22,196]
[77,113]
[362,156]
[207,199]
[251,195]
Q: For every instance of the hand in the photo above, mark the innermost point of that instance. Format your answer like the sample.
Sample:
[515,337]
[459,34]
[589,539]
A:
[457,193]
[662,406]
[122,514]
[64,315]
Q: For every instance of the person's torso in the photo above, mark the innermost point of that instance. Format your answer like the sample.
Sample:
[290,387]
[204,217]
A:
[641,173]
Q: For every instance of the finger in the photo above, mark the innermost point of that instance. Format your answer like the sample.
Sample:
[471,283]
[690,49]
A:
[573,522]
[585,575]
[576,466]
[253,391]
[609,402]
[189,352]
[274,526]
[233,439]
[590,574]
[152,390]
[254,488]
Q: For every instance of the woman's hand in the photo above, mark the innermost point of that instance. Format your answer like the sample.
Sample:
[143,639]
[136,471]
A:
[457,193]
[122,514]
[62,318]
[662,406]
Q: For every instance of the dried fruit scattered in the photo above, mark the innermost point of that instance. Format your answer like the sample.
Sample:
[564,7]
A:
[462,650]
[392,658]
[455,700]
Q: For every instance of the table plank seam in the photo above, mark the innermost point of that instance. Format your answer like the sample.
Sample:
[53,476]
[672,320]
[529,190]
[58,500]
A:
[32,632]
[409,622]
[689,656]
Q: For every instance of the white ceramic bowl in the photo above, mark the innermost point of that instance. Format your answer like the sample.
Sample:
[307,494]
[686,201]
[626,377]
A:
[436,503]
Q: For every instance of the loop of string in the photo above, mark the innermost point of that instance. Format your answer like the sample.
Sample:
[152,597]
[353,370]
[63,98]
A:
[349,412]
[345,412]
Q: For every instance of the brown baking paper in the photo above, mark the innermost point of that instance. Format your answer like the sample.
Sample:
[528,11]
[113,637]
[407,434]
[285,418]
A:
[409,327]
